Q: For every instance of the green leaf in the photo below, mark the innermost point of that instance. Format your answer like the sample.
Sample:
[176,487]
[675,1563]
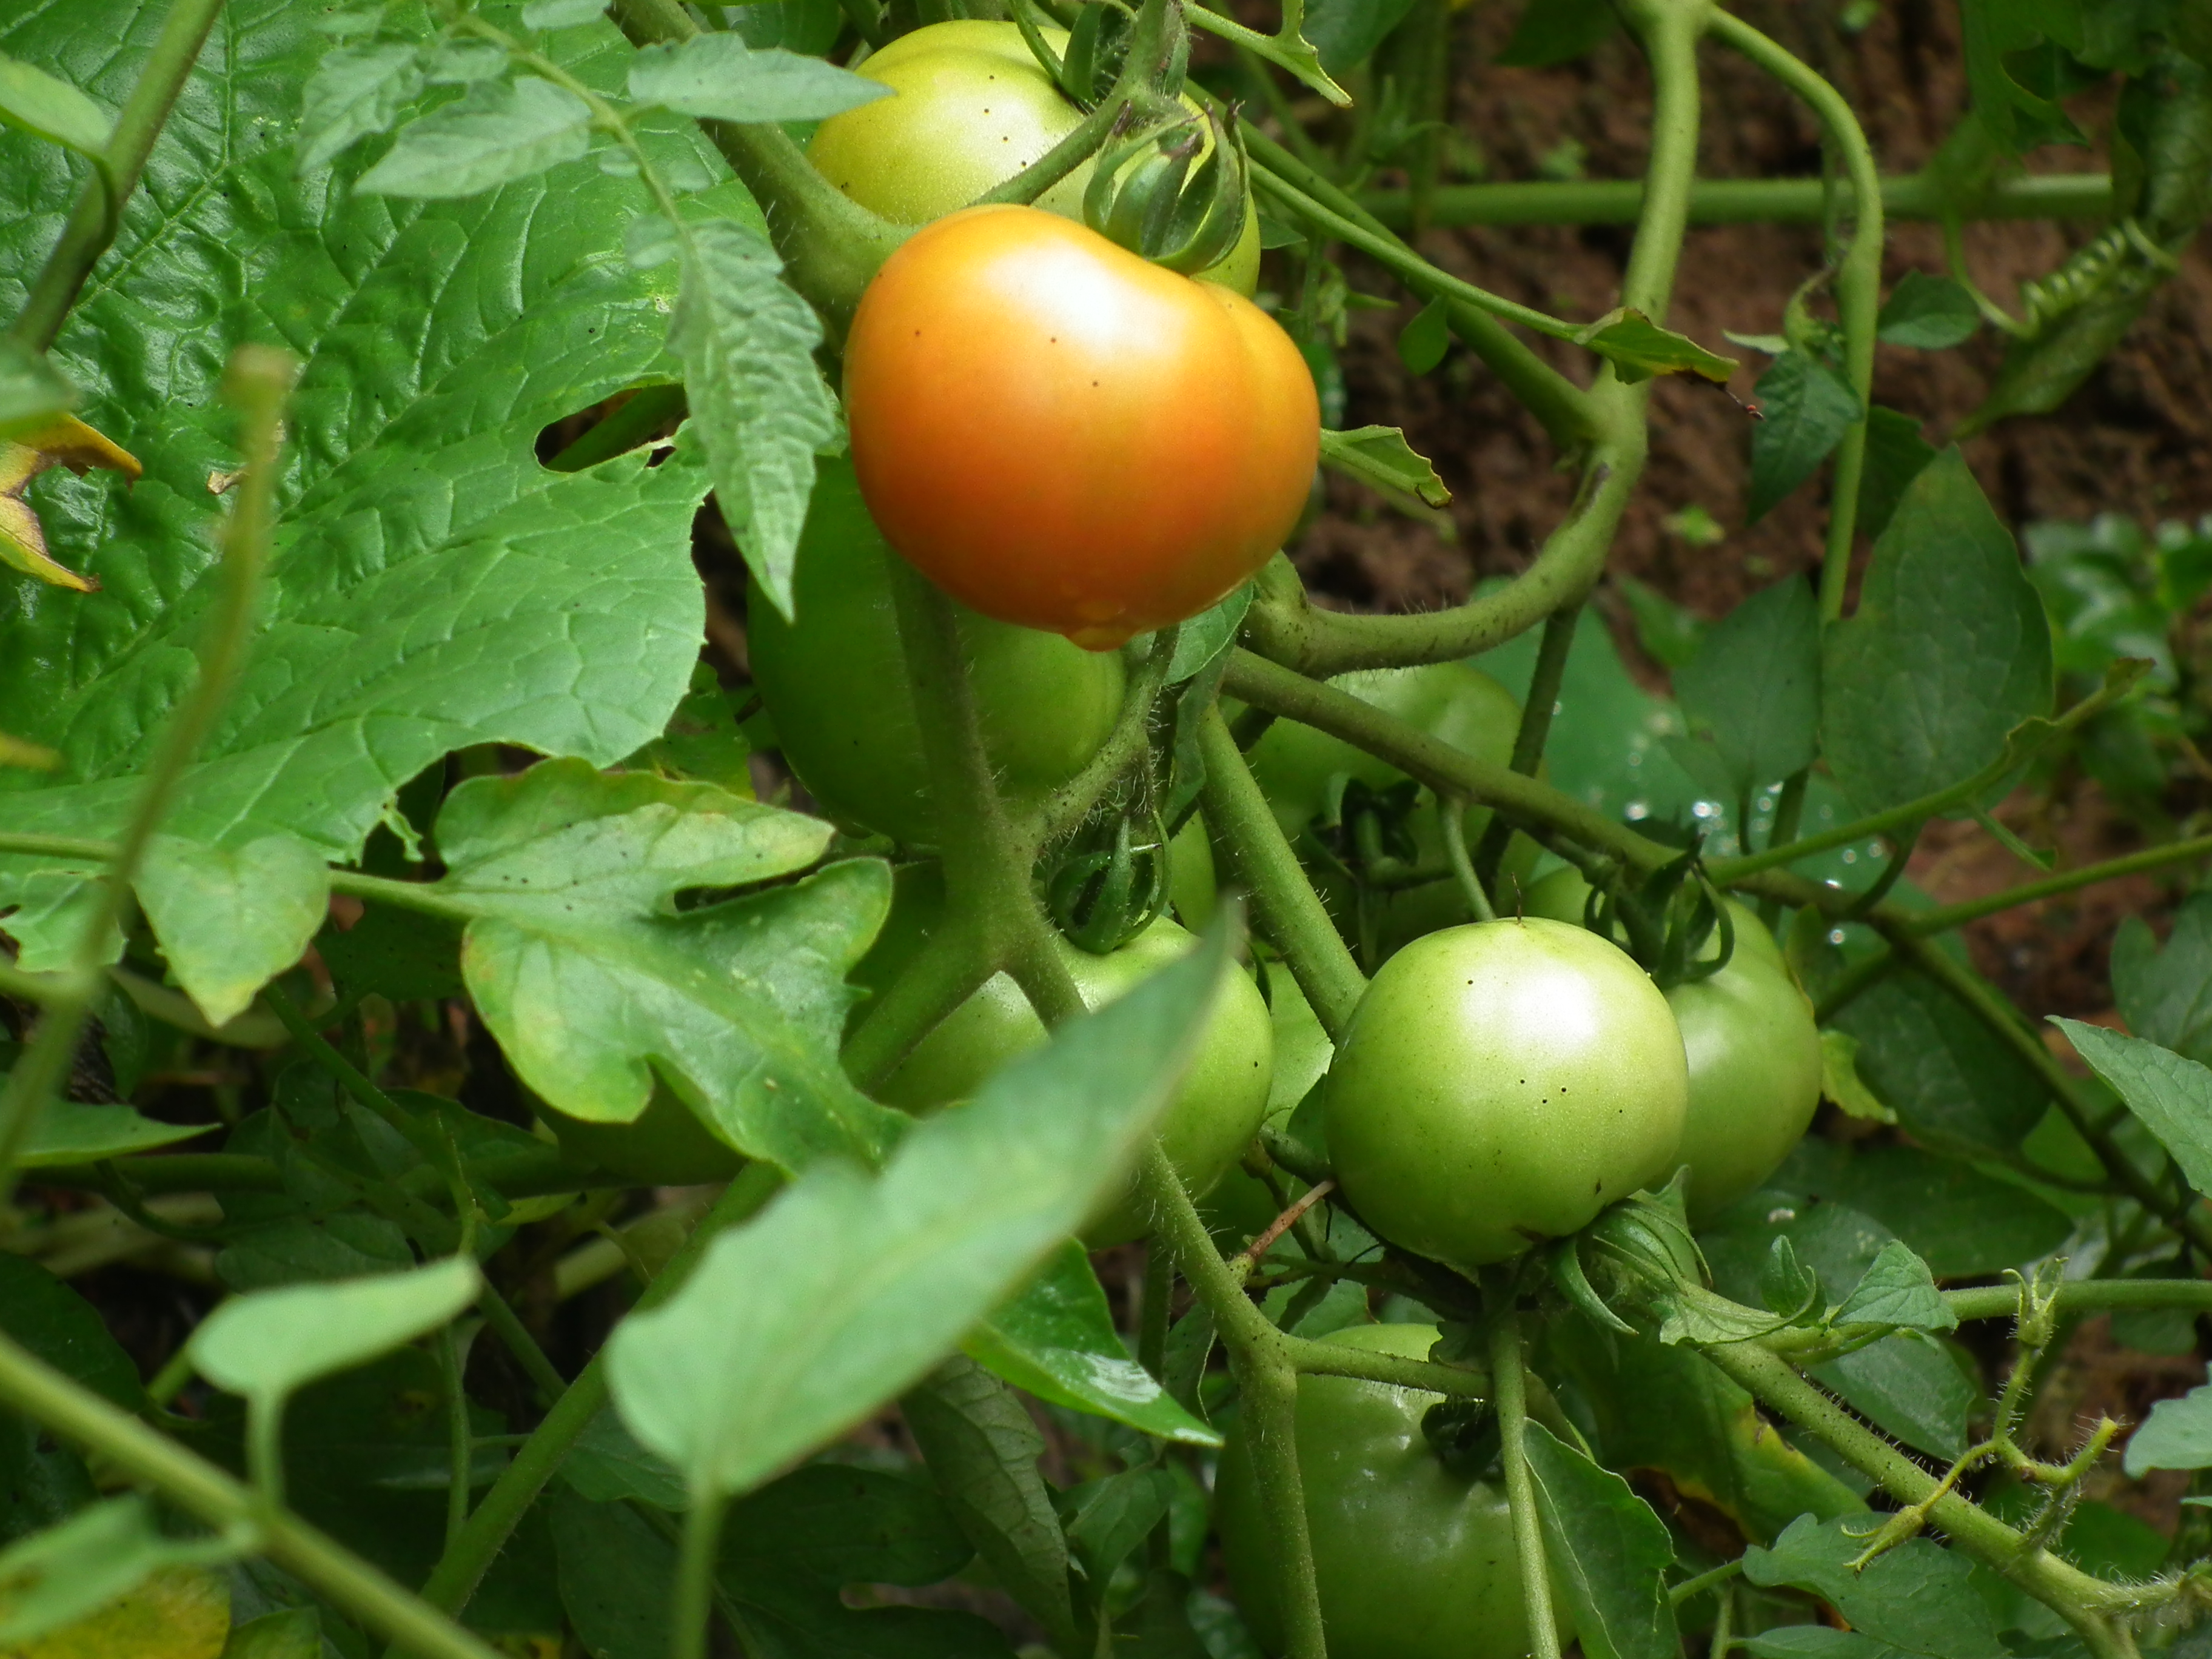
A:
[2177,1435]
[1107,1519]
[2170,1093]
[2165,994]
[982,1447]
[299,1249]
[33,391]
[607,1465]
[1916,1596]
[747,345]
[1754,685]
[268,1345]
[61,1327]
[1555,31]
[1833,1240]
[1962,1223]
[433,584]
[1608,1548]
[1840,1081]
[1380,455]
[704,742]
[1816,1642]
[1929,313]
[288,1633]
[231,920]
[52,109]
[1208,634]
[499,131]
[847,1288]
[1638,349]
[1422,342]
[836,1525]
[354,93]
[1057,1341]
[1805,409]
[718,77]
[1949,652]
[1347,32]
[1670,632]
[561,14]
[1910,1387]
[1898,1290]
[2015,117]
[594,982]
[1896,454]
[403,955]
[1951,1082]
[617,1578]
[72,1131]
[58,1576]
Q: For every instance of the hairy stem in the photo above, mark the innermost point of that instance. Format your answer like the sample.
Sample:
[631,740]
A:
[1512,1385]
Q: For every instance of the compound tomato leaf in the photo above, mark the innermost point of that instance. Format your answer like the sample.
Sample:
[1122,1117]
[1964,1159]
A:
[593,980]
[1897,1289]
[355,92]
[433,584]
[1916,1596]
[230,920]
[501,132]
[1609,1549]
[1057,1341]
[1638,349]
[1817,1642]
[848,1288]
[1896,454]
[62,1328]
[617,1577]
[1949,652]
[288,1633]
[2170,1093]
[718,77]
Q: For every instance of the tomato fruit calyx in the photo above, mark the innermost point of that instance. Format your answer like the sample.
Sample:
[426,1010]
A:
[1144,197]
[1110,887]
[1674,920]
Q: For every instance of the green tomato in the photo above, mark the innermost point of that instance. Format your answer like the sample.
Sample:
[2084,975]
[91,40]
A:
[1412,1560]
[835,683]
[665,1145]
[1453,701]
[1212,1117]
[1192,886]
[1752,1050]
[1240,1206]
[973,108]
[1501,1084]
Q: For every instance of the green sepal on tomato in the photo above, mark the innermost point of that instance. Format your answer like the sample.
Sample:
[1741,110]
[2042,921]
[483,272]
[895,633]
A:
[834,680]
[973,108]
[1213,1115]
[1413,1559]
[1499,1084]
[1752,1050]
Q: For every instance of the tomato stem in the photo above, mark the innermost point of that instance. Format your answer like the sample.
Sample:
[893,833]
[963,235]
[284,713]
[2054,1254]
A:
[1511,1386]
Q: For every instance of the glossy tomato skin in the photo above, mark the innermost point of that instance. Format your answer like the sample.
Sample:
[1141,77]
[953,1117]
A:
[665,1145]
[1412,1560]
[835,682]
[1753,1053]
[973,108]
[1213,1116]
[1061,434]
[1499,1084]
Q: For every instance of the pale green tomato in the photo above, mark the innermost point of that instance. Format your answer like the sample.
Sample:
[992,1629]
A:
[973,108]
[1211,1120]
[1192,887]
[1501,1084]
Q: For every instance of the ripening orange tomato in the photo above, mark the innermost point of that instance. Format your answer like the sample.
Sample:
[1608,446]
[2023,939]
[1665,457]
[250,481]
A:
[1059,434]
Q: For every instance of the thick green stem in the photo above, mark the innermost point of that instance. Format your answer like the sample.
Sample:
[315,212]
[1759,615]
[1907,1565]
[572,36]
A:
[98,212]
[1070,803]
[1918,195]
[1287,905]
[1858,283]
[2088,1604]
[952,964]
[256,385]
[30,1386]
[695,1577]
[2079,1297]
[1669,30]
[1512,1396]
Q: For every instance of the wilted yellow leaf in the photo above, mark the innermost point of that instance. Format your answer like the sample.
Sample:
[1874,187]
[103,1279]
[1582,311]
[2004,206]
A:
[180,1612]
[63,441]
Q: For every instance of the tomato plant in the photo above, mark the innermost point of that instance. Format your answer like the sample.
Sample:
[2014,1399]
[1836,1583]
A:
[1008,373]
[1500,1084]
[1415,1559]
[600,598]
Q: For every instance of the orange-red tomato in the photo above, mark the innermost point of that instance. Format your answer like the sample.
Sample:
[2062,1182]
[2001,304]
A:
[1059,434]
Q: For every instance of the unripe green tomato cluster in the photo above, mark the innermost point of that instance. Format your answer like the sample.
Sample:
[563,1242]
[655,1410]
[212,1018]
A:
[1499,1084]
[1452,701]
[1753,1049]
[1412,1560]
[1213,1115]
[973,108]
[834,680]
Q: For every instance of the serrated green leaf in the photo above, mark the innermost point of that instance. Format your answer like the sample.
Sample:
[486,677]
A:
[1805,408]
[433,584]
[747,345]
[1608,1548]
[2170,1093]
[1898,1290]
[1638,349]
[1380,455]
[718,77]
[2165,994]
[1916,1596]
[1929,313]
[847,1288]
[357,92]
[1949,650]
[501,132]
[594,983]
[230,921]
[51,108]
[1909,1387]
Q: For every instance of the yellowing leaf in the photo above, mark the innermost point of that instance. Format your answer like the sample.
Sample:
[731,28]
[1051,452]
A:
[179,1613]
[63,441]
[14,752]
